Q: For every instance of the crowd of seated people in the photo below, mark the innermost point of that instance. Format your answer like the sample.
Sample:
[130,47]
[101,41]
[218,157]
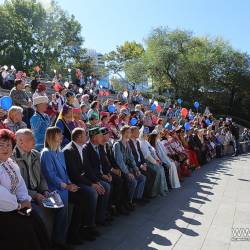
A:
[103,159]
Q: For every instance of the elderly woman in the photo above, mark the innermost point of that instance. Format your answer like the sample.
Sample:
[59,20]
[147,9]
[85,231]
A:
[149,153]
[20,228]
[40,121]
[85,100]
[65,123]
[14,120]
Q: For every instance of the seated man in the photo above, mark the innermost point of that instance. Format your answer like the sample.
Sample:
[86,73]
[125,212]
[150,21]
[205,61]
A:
[94,172]
[112,175]
[125,160]
[150,173]
[73,153]
[28,160]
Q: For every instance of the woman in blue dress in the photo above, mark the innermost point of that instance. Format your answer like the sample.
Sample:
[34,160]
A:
[54,169]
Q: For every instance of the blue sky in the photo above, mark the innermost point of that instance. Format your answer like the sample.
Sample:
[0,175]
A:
[107,23]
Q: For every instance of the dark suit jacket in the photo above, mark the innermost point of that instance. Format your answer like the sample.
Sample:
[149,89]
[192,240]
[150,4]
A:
[110,155]
[92,160]
[78,171]
[132,146]
[106,164]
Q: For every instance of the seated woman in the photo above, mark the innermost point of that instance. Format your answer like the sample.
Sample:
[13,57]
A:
[77,118]
[154,140]
[14,120]
[192,156]
[160,185]
[54,170]
[178,152]
[17,231]
[65,123]
[113,127]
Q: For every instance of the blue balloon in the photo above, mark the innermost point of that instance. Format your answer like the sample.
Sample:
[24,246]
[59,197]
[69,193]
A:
[6,102]
[133,121]
[208,122]
[179,101]
[153,107]
[191,117]
[168,126]
[187,126]
[111,108]
[196,104]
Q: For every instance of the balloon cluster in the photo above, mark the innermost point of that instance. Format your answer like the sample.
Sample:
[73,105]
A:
[156,107]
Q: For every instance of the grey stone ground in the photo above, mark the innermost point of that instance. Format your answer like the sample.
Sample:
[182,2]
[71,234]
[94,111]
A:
[198,216]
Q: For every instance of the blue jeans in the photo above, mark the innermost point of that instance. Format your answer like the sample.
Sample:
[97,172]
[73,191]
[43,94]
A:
[135,187]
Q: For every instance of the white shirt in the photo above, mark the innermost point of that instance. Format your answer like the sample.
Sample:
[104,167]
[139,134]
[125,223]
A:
[9,200]
[145,145]
[79,148]
[138,155]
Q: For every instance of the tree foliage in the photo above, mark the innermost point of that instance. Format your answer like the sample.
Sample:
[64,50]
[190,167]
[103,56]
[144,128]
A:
[197,68]
[31,35]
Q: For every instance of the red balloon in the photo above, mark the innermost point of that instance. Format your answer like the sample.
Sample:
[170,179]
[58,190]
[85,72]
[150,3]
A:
[57,87]
[158,108]
[184,112]
[37,68]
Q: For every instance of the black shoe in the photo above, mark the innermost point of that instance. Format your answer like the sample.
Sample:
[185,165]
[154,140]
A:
[104,223]
[146,199]
[109,218]
[114,212]
[123,211]
[94,231]
[75,241]
[87,234]
[60,246]
[130,206]
[141,202]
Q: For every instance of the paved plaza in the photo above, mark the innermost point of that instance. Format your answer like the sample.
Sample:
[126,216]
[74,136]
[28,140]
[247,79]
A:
[200,215]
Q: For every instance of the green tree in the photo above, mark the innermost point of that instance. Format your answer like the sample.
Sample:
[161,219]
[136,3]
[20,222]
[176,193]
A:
[123,55]
[31,35]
